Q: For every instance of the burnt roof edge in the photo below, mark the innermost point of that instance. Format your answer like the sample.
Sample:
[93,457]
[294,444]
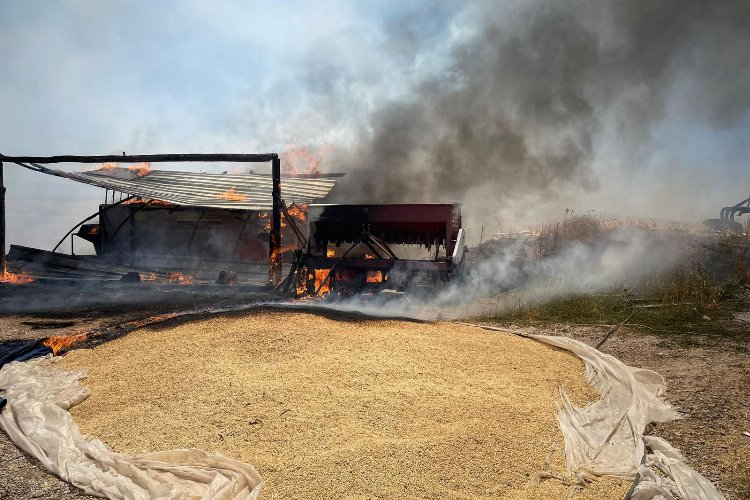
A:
[223,157]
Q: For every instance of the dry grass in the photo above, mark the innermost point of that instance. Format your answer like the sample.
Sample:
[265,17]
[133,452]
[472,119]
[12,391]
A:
[707,264]
[590,230]
[329,408]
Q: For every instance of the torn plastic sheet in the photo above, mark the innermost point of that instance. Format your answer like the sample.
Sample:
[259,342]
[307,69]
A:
[606,437]
[37,421]
[678,480]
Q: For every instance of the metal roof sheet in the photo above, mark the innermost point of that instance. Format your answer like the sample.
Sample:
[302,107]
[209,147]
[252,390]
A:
[203,189]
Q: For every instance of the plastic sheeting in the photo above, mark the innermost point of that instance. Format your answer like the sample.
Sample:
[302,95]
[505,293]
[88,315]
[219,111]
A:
[37,421]
[606,437]
[677,479]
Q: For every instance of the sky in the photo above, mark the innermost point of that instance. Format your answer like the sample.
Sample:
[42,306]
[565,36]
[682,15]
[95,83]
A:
[142,77]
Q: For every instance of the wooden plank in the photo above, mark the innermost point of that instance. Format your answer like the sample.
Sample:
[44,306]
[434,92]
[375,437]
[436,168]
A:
[226,157]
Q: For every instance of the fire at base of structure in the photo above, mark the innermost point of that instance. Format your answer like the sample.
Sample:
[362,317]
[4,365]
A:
[199,225]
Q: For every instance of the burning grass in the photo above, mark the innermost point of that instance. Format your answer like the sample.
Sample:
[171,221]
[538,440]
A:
[330,408]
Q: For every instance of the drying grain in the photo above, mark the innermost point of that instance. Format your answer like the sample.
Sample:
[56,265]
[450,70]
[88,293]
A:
[332,408]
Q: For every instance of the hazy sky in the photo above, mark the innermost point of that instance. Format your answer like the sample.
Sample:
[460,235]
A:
[99,77]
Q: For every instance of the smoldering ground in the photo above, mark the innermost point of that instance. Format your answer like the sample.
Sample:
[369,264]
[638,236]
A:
[546,100]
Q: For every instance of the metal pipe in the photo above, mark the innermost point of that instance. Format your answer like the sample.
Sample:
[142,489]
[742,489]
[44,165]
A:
[88,219]
[239,158]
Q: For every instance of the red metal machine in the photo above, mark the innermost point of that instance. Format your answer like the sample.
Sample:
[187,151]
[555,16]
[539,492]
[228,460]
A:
[353,248]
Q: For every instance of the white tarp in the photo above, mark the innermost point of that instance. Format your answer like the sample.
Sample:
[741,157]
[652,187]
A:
[606,437]
[37,421]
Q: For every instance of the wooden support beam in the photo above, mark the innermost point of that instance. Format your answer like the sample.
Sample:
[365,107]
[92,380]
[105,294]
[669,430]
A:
[274,240]
[2,219]
[237,158]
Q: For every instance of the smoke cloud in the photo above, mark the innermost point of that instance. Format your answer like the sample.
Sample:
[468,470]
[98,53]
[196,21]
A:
[544,97]
[512,275]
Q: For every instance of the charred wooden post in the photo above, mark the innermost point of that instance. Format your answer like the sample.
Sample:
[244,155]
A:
[263,157]
[274,240]
[2,219]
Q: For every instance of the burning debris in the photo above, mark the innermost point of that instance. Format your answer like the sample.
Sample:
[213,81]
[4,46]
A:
[180,278]
[196,224]
[14,278]
[139,200]
[141,169]
[138,169]
[60,342]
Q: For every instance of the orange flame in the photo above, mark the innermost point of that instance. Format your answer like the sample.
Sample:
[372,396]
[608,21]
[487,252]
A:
[151,320]
[369,256]
[14,278]
[94,230]
[298,212]
[323,281]
[182,279]
[330,252]
[231,194]
[300,160]
[374,277]
[56,343]
[138,200]
[141,169]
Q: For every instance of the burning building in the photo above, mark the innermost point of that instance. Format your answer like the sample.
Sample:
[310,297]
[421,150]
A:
[178,226]
[161,222]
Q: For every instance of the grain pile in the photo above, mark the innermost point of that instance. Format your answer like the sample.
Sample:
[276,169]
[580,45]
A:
[328,408]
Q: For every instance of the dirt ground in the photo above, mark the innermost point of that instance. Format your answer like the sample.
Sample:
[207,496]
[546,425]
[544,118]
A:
[707,382]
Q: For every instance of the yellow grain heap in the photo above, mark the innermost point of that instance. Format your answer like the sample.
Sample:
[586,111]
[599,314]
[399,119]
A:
[331,408]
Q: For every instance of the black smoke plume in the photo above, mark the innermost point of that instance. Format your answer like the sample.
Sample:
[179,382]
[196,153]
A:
[518,111]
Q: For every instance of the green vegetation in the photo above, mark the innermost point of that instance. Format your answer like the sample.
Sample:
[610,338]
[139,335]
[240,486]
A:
[679,321]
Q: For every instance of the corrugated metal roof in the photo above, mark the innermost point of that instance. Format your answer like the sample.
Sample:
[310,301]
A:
[203,189]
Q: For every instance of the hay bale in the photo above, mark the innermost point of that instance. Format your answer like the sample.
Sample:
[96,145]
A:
[326,408]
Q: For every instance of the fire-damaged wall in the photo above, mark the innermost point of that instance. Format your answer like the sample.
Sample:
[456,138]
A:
[182,237]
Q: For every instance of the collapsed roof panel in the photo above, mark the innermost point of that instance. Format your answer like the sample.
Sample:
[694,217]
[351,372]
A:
[232,191]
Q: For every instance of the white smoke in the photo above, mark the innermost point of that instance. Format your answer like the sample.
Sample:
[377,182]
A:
[496,282]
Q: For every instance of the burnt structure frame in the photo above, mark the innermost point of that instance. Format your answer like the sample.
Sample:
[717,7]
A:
[274,241]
